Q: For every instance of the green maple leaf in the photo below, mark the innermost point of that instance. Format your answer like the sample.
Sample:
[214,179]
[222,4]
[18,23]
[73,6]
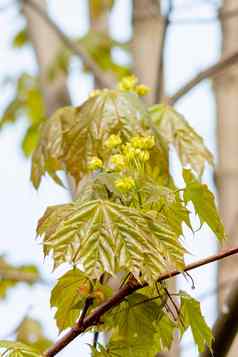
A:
[191,316]
[17,349]
[139,327]
[109,237]
[167,202]
[175,130]
[164,334]
[69,296]
[73,135]
[204,203]
[30,332]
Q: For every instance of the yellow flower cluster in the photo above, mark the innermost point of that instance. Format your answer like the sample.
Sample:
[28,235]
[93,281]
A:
[145,143]
[133,153]
[113,141]
[118,162]
[125,184]
[95,163]
[130,84]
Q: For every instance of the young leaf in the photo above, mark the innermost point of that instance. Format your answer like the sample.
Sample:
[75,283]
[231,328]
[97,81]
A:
[122,348]
[204,203]
[17,349]
[109,237]
[164,333]
[68,296]
[192,317]
[30,332]
[175,130]
[73,136]
[139,327]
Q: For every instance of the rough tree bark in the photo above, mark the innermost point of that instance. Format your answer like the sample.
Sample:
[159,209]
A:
[226,89]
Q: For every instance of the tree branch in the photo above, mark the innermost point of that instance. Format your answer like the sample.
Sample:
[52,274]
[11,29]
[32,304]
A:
[159,84]
[18,276]
[221,16]
[207,73]
[104,79]
[131,286]
[226,327]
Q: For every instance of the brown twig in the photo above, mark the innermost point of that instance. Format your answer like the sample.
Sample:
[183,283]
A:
[78,49]
[18,276]
[131,286]
[220,16]
[207,73]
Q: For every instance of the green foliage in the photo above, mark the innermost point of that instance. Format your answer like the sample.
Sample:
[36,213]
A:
[20,39]
[98,7]
[10,276]
[17,349]
[70,294]
[80,132]
[100,45]
[192,317]
[110,237]
[204,203]
[140,326]
[128,215]
[176,131]
[30,332]
[26,104]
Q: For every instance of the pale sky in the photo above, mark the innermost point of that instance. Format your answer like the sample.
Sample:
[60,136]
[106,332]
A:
[189,49]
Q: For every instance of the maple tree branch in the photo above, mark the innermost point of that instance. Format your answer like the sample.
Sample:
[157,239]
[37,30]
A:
[220,16]
[131,286]
[78,49]
[211,71]
[18,276]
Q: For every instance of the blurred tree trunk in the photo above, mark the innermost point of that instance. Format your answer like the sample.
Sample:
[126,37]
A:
[46,45]
[147,43]
[226,89]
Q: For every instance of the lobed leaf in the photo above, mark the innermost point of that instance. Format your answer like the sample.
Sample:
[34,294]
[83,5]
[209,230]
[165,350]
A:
[192,317]
[138,327]
[17,349]
[30,332]
[73,136]
[107,237]
[204,203]
[176,130]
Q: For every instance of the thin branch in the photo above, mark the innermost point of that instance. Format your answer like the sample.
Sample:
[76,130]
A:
[18,276]
[159,84]
[220,16]
[104,79]
[87,305]
[131,286]
[211,71]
